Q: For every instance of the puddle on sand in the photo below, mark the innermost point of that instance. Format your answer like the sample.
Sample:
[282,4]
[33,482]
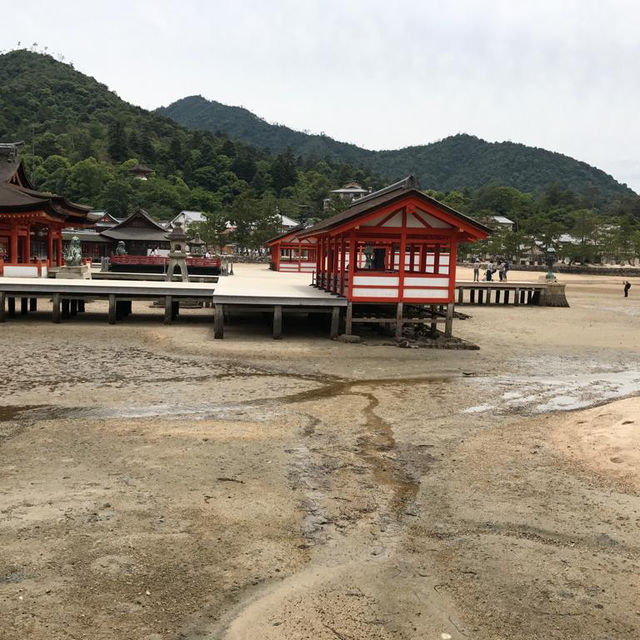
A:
[199,412]
[9,413]
[542,394]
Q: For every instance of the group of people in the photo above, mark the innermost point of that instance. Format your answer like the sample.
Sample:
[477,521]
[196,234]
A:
[489,268]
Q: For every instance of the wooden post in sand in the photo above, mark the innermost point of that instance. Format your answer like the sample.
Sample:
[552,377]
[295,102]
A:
[218,321]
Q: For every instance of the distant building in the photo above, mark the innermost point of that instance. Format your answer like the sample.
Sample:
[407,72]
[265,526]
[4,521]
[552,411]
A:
[139,231]
[141,172]
[288,223]
[348,193]
[186,218]
[502,222]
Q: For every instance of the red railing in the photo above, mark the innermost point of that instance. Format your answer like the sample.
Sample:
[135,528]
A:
[162,260]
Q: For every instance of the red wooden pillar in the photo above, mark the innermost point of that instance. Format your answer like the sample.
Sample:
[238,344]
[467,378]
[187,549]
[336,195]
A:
[49,248]
[453,250]
[336,263]
[319,262]
[436,259]
[343,263]
[27,246]
[13,246]
[299,255]
[401,256]
[60,260]
[353,259]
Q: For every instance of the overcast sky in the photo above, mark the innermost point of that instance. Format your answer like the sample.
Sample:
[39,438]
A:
[563,75]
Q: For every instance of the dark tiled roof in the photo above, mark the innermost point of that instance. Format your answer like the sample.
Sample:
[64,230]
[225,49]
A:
[136,233]
[139,215]
[138,226]
[141,168]
[17,199]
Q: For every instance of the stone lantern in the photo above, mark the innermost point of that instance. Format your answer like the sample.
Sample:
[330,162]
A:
[177,252]
[196,246]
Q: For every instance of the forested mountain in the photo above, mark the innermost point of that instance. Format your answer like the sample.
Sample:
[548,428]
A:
[80,139]
[457,162]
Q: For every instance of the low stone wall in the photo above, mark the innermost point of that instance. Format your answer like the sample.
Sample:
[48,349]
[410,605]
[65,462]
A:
[247,259]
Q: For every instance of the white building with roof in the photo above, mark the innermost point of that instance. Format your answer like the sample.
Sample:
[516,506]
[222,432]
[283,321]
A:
[185,218]
[503,222]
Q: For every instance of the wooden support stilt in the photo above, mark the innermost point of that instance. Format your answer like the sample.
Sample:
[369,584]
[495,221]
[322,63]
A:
[472,296]
[66,308]
[480,296]
[218,321]
[529,296]
[448,326]
[434,320]
[399,322]
[460,295]
[497,300]
[516,298]
[277,322]
[168,309]
[506,296]
[348,324]
[33,304]
[55,312]
[120,309]
[3,312]
[74,307]
[335,322]
[24,306]
[112,309]
[488,298]
[175,309]
[11,304]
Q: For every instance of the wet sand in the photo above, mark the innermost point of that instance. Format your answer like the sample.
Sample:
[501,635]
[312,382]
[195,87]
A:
[158,484]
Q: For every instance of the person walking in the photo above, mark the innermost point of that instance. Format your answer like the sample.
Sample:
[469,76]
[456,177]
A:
[627,286]
[476,270]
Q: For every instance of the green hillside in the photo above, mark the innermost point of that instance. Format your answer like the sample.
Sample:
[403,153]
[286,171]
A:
[80,139]
[457,162]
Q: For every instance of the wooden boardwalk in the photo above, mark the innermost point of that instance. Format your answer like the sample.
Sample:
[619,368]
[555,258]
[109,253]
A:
[263,292]
[496,292]
[275,295]
[68,296]
[271,295]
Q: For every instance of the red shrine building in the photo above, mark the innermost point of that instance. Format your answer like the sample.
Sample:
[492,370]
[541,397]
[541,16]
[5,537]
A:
[291,253]
[31,222]
[397,245]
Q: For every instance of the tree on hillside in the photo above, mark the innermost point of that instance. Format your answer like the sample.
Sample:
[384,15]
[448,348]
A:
[117,141]
[283,171]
